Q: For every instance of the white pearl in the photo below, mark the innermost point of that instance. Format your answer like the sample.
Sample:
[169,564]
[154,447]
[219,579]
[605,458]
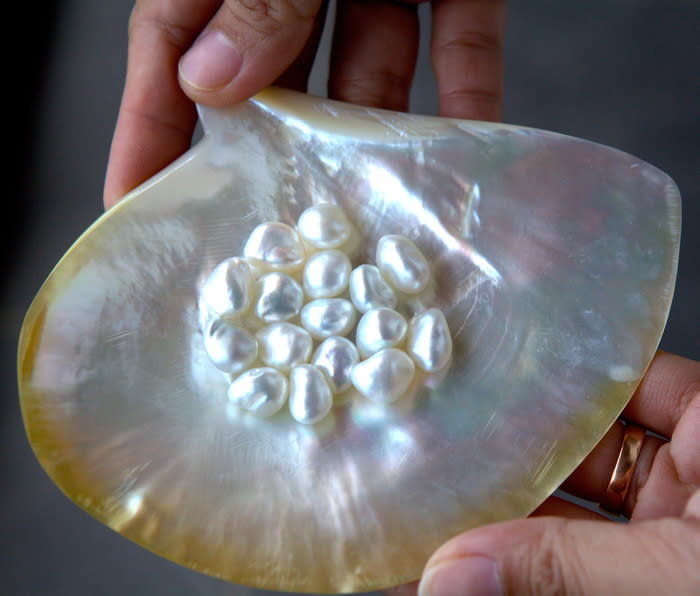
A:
[227,289]
[275,245]
[284,345]
[261,391]
[326,317]
[368,289]
[379,328]
[280,298]
[326,274]
[230,349]
[324,226]
[402,264]
[310,397]
[335,358]
[384,376]
[429,341]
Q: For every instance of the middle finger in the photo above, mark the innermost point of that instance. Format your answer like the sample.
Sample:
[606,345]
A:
[375,48]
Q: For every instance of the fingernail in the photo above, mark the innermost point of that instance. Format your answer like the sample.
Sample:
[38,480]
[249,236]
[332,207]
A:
[211,62]
[470,576]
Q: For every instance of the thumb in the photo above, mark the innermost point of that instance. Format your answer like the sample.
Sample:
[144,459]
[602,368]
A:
[247,46]
[552,555]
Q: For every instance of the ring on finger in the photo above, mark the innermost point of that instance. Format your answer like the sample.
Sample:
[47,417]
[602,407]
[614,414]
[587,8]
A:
[621,478]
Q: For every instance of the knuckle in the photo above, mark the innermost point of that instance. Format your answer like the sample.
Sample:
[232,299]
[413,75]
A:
[384,89]
[690,393]
[554,567]
[484,95]
[479,41]
[143,21]
[269,16]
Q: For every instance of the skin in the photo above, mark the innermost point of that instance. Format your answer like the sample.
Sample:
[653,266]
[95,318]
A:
[274,41]
[561,548]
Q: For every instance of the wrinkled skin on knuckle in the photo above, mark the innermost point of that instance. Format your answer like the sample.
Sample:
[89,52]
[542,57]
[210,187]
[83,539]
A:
[270,16]
[144,19]
[381,89]
[550,566]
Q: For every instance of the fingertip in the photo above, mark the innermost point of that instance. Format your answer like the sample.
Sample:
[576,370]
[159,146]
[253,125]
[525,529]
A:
[247,47]
[474,574]
[210,64]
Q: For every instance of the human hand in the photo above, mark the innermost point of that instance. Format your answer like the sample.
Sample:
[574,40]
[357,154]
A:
[221,52]
[567,549]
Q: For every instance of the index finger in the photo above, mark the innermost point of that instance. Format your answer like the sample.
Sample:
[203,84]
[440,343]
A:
[156,119]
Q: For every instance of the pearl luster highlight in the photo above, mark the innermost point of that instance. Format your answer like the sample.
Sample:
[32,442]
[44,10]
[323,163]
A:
[324,226]
[325,317]
[384,376]
[230,348]
[326,274]
[284,345]
[280,298]
[261,391]
[227,289]
[310,398]
[368,289]
[402,264]
[335,358]
[379,328]
[275,246]
[284,318]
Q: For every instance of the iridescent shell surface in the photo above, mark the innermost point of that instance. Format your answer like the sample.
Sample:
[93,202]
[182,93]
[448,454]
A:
[554,262]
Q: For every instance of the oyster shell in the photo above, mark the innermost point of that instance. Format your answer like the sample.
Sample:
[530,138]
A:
[554,261]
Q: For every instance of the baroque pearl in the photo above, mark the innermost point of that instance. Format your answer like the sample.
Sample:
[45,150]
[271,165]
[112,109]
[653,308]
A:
[402,264]
[325,317]
[230,349]
[275,245]
[379,328]
[284,345]
[227,289]
[429,341]
[324,226]
[310,397]
[384,376]
[368,289]
[335,358]
[261,391]
[326,274]
[280,298]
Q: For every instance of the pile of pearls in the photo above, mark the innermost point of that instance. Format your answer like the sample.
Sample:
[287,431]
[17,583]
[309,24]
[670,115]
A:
[281,319]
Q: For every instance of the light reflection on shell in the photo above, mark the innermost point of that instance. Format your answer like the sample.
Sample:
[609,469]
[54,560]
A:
[536,242]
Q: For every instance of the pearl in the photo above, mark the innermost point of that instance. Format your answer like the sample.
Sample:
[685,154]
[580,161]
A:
[261,391]
[379,328]
[230,349]
[326,274]
[227,289]
[284,345]
[325,317]
[429,341]
[324,226]
[280,298]
[275,245]
[402,264]
[368,289]
[310,397]
[384,376]
[335,358]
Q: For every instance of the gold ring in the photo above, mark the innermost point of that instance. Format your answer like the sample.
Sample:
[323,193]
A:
[615,494]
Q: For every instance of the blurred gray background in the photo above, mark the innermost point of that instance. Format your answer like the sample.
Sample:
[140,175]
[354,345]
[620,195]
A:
[618,72]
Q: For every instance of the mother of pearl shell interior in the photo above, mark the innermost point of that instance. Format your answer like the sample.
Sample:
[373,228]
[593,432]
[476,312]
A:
[190,412]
